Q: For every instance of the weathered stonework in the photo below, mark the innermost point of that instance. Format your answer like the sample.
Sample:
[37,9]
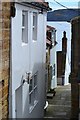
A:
[4,57]
[0,61]
[75,68]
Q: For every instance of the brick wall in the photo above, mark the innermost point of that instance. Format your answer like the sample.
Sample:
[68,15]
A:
[4,57]
[0,61]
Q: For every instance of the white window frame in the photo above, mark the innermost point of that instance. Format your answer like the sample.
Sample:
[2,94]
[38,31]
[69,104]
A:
[33,93]
[24,26]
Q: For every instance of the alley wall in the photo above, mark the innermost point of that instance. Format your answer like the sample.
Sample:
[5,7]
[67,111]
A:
[4,57]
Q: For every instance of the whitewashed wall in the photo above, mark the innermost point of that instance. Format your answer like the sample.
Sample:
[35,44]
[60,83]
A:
[52,62]
[28,58]
[67,70]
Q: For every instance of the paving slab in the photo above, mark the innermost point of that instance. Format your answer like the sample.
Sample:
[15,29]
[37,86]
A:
[60,105]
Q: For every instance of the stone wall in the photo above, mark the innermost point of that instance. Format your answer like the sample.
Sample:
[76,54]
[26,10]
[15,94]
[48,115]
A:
[75,68]
[4,57]
[0,60]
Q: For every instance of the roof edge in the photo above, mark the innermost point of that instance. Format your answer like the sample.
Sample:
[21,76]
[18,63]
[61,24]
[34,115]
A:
[38,5]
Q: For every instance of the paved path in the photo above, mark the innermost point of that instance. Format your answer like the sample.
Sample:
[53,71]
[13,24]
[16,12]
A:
[60,105]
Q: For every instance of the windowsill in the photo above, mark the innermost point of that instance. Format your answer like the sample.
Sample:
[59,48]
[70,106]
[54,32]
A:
[33,106]
[34,40]
[24,44]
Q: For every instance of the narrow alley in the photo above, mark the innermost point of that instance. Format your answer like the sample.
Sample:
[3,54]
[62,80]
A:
[60,105]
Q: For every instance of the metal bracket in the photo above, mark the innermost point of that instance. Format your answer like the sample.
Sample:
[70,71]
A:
[27,78]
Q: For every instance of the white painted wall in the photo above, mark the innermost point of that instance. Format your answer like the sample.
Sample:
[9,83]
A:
[52,62]
[67,70]
[28,58]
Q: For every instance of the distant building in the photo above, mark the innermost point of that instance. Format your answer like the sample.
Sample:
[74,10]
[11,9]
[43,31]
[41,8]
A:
[63,65]
[51,57]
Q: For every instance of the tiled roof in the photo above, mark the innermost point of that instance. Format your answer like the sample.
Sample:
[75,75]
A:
[50,27]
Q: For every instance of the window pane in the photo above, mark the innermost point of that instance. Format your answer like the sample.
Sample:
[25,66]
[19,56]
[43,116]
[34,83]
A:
[35,79]
[23,19]
[31,98]
[25,26]
[22,35]
[30,85]
[34,26]
[34,19]
[35,94]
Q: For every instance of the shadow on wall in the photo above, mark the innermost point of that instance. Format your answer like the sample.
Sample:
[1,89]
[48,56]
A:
[33,94]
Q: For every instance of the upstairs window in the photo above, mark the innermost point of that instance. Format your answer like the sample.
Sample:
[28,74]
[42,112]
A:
[34,26]
[25,26]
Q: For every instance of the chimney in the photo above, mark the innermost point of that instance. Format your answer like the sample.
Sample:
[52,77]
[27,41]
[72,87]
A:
[64,51]
[64,43]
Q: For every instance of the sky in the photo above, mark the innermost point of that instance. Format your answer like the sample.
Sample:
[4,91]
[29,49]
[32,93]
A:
[67,3]
[63,26]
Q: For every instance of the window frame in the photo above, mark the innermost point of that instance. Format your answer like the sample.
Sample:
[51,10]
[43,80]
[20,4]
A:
[34,25]
[34,100]
[25,26]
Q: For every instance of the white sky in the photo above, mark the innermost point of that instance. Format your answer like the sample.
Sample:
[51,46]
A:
[67,3]
[63,26]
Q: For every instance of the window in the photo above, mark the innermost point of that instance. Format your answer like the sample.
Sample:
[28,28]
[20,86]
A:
[34,26]
[25,26]
[33,92]
[53,37]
